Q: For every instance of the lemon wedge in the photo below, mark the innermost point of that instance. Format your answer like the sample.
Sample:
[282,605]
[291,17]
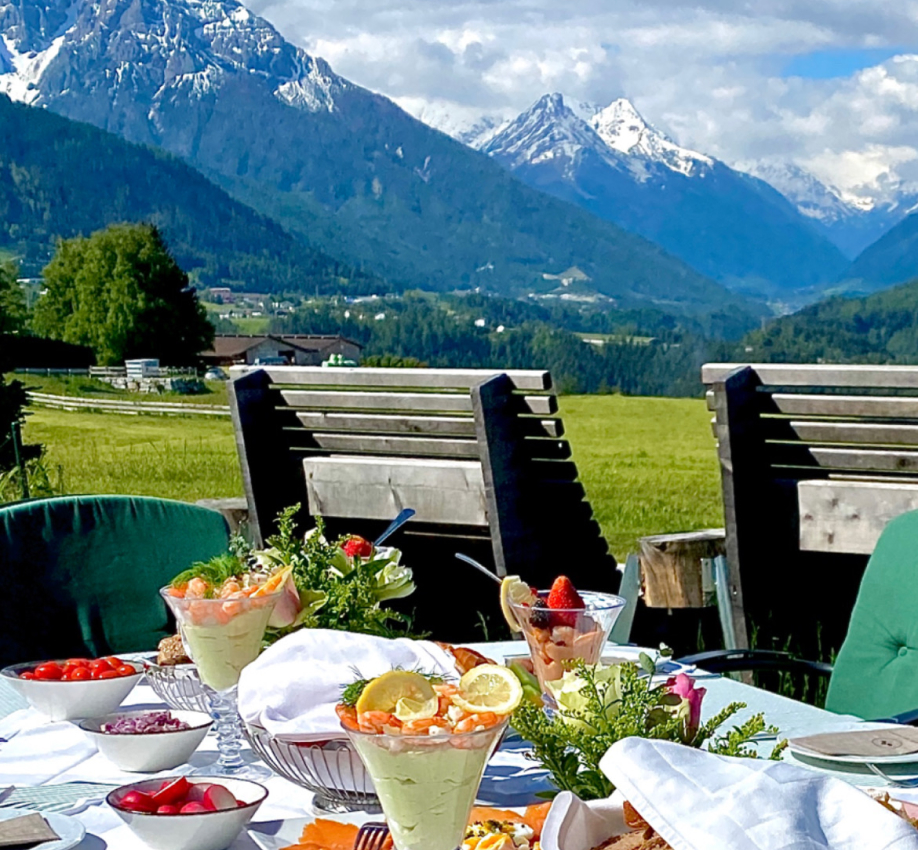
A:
[385,692]
[407,709]
[514,591]
[489,687]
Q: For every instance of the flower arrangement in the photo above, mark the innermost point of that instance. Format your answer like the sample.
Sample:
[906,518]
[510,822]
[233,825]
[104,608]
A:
[599,705]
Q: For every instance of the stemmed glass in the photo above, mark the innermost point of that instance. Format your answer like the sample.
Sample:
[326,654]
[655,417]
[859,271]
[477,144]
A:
[222,636]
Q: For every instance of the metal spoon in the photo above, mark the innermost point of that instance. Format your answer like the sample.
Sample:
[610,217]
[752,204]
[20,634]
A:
[894,781]
[395,525]
[480,567]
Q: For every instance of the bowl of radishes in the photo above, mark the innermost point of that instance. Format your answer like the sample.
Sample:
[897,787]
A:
[178,813]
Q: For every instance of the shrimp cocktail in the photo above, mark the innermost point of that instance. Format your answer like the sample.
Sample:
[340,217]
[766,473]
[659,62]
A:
[560,625]
[222,624]
[425,744]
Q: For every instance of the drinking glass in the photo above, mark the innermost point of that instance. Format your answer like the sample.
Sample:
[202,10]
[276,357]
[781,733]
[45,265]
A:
[556,637]
[222,636]
[427,784]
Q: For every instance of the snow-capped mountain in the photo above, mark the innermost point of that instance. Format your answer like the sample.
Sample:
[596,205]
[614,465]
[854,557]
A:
[731,226]
[852,222]
[342,168]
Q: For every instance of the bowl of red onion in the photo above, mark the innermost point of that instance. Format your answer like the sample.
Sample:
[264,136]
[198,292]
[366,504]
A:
[148,741]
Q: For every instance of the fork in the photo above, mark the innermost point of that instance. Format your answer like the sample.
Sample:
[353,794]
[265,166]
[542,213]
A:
[371,836]
[894,781]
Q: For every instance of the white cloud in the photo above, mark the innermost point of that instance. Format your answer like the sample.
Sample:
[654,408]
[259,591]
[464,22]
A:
[706,71]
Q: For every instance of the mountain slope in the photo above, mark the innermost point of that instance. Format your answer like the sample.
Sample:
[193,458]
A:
[60,178]
[891,259]
[728,225]
[879,328]
[343,168]
[850,223]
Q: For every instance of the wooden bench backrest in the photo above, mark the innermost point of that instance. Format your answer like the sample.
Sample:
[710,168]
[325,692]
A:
[797,443]
[475,452]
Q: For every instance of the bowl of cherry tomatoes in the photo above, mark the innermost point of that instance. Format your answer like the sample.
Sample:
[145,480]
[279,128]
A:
[76,687]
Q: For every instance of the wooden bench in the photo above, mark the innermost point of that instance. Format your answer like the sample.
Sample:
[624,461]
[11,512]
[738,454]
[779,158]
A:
[479,455]
[815,460]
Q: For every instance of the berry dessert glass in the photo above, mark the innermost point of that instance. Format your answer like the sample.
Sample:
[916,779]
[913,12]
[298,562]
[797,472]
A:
[559,636]
[427,783]
[222,636]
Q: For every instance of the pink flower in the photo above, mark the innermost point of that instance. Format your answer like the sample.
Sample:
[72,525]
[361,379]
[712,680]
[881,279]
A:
[287,608]
[684,686]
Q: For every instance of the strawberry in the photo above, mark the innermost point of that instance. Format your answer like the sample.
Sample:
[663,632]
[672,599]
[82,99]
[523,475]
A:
[564,595]
[356,546]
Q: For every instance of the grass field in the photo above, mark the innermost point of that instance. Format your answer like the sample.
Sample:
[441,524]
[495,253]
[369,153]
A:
[86,387]
[649,464]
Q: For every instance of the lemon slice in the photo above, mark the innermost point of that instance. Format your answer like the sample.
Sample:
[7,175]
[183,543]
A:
[489,687]
[385,692]
[407,709]
[513,590]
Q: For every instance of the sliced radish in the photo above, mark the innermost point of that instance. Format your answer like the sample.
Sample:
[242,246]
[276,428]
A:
[197,791]
[172,792]
[168,810]
[193,809]
[137,801]
[218,798]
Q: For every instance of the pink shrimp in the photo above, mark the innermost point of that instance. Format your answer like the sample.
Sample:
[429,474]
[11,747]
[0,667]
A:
[197,588]
[376,721]
[423,727]
[475,722]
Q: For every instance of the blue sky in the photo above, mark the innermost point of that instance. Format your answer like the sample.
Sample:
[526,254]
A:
[831,64]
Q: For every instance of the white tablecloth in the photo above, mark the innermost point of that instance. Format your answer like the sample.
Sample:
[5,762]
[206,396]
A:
[510,780]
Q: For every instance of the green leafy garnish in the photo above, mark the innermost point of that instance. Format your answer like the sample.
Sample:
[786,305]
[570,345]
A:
[601,705]
[215,572]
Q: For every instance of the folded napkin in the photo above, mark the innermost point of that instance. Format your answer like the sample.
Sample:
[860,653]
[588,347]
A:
[27,831]
[699,801]
[292,688]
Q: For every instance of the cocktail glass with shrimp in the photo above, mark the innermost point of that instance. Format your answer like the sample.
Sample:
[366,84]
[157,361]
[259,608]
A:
[426,744]
[222,628]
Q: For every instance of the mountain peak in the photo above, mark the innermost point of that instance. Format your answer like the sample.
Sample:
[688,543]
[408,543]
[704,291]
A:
[624,129]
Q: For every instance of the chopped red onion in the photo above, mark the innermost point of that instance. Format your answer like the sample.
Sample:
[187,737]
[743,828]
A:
[153,721]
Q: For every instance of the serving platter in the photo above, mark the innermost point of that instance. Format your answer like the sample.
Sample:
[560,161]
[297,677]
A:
[70,831]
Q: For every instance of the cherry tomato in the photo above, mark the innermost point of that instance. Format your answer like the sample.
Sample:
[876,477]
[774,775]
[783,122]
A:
[51,670]
[100,664]
[114,661]
[79,674]
[28,674]
[65,677]
[126,670]
[76,662]
[107,674]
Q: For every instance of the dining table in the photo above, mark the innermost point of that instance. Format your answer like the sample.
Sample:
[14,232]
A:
[54,767]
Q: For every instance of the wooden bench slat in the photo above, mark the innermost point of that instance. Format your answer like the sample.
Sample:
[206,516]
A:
[867,460]
[407,402]
[814,431]
[458,379]
[813,375]
[847,406]
[386,445]
[453,426]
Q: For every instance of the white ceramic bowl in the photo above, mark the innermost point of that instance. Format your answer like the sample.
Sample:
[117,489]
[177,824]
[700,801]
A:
[204,831]
[148,751]
[71,700]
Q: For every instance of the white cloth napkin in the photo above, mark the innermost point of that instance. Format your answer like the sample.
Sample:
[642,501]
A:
[292,688]
[38,754]
[699,801]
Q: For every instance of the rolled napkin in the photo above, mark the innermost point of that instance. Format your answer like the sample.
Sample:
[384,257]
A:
[27,831]
[292,688]
[699,801]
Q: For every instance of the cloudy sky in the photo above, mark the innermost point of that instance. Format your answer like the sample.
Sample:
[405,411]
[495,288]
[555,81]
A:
[829,84]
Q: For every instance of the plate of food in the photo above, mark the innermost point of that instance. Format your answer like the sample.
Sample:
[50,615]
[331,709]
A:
[67,832]
[883,745]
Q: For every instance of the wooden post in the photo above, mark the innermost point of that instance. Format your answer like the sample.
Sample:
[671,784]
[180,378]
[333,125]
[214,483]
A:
[672,567]
[740,454]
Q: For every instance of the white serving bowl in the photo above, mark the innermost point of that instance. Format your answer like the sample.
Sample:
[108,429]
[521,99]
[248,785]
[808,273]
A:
[148,751]
[198,831]
[71,700]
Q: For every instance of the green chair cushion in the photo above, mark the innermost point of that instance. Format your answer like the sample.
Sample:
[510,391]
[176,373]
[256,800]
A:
[876,673]
[80,574]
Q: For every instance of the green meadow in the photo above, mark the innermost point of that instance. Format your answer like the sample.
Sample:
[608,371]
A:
[648,464]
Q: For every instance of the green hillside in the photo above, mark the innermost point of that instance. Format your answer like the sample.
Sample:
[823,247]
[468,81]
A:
[892,259]
[60,178]
[879,328]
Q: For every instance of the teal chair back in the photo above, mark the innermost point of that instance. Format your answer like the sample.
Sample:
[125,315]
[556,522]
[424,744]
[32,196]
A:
[876,672]
[79,575]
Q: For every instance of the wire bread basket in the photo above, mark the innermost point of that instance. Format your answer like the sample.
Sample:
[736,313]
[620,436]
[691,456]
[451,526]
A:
[178,686]
[332,770]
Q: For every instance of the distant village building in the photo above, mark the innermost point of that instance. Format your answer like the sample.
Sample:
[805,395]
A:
[293,349]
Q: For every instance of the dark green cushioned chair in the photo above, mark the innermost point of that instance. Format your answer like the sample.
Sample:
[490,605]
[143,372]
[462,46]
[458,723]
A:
[876,672]
[80,574]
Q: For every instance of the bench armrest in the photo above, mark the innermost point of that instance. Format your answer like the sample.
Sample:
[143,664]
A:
[736,660]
